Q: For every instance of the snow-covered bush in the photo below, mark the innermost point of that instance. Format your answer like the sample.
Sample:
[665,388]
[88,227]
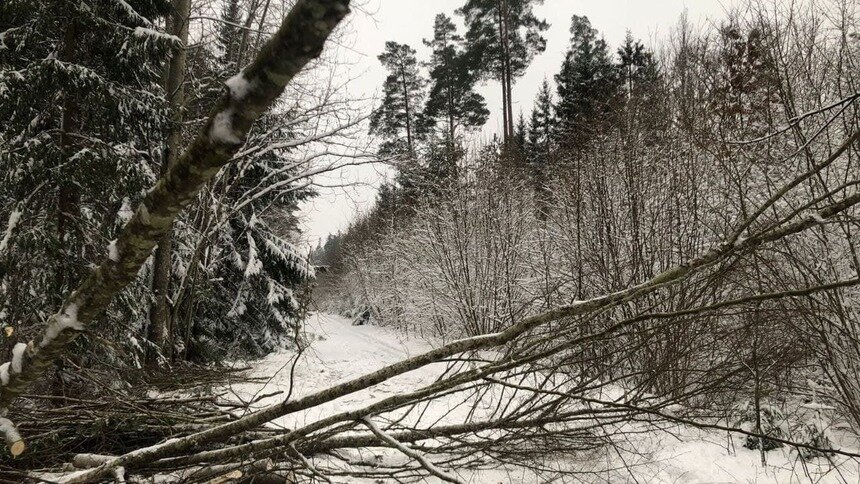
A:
[772,420]
[815,435]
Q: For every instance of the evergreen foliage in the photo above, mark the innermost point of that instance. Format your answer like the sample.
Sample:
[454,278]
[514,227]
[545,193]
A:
[503,38]
[84,117]
[82,90]
[452,98]
[586,85]
[399,117]
[247,299]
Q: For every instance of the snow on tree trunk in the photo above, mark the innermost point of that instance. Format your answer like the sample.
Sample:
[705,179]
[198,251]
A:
[299,40]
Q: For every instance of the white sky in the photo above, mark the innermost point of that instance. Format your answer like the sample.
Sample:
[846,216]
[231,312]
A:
[410,21]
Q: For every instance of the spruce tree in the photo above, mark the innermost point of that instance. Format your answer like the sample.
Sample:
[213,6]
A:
[636,68]
[247,302]
[229,35]
[586,85]
[84,119]
[503,38]
[521,134]
[745,90]
[398,118]
[539,144]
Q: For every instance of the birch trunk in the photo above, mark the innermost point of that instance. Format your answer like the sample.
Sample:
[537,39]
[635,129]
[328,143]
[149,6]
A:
[299,40]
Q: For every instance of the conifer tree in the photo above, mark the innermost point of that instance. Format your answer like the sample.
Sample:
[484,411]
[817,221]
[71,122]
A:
[247,300]
[83,123]
[539,143]
[745,92]
[636,68]
[452,97]
[399,116]
[640,109]
[503,38]
[521,134]
[229,35]
[586,85]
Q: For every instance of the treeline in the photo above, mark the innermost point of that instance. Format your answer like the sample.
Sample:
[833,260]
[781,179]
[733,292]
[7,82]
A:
[424,121]
[98,99]
[632,162]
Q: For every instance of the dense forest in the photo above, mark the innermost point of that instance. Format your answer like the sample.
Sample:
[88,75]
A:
[664,241]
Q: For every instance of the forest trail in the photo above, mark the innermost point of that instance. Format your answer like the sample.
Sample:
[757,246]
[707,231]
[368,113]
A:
[339,351]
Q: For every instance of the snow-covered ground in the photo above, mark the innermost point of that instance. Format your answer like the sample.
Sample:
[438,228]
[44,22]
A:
[340,351]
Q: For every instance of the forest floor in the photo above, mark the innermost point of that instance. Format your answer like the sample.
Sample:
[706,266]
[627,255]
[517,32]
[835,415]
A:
[340,351]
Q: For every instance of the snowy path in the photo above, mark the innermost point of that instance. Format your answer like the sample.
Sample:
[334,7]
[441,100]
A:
[340,352]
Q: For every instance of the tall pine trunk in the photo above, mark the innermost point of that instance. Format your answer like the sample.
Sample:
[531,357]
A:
[503,74]
[160,333]
[506,43]
[408,113]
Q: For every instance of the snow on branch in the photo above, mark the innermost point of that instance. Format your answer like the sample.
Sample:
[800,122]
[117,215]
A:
[67,320]
[718,253]
[148,34]
[131,13]
[425,463]
[300,39]
[17,358]
[239,86]
[14,218]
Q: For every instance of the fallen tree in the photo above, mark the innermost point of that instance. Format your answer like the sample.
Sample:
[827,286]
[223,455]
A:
[554,404]
[520,357]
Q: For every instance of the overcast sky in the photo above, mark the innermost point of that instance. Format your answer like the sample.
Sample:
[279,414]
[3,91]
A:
[410,21]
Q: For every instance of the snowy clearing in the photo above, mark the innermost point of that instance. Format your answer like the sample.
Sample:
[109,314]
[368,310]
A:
[340,351]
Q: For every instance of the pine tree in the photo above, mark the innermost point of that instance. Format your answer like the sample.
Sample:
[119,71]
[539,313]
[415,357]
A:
[586,85]
[452,97]
[503,38]
[84,118]
[399,117]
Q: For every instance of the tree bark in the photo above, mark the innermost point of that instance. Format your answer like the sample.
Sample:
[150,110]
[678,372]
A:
[408,112]
[503,76]
[66,198]
[508,72]
[69,238]
[160,328]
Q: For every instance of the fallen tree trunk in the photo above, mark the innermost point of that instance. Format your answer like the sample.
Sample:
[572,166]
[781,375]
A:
[733,245]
